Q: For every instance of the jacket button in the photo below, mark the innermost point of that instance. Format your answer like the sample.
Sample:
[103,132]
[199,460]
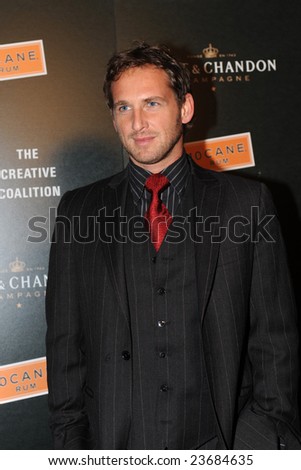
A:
[125,355]
[161,323]
[164,388]
[162,355]
[161,291]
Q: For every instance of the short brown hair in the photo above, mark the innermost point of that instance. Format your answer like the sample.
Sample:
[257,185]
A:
[143,54]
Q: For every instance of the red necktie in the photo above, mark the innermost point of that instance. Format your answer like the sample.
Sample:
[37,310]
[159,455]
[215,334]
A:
[157,214]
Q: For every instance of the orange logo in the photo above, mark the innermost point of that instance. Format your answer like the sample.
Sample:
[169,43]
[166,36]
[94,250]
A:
[22,380]
[22,59]
[223,153]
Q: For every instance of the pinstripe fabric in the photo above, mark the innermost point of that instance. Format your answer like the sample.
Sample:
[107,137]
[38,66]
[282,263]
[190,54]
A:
[245,303]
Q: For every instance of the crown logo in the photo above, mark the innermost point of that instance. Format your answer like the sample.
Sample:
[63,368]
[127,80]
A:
[17,266]
[210,52]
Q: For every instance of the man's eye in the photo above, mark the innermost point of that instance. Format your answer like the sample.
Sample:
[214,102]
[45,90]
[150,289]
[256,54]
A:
[153,104]
[123,108]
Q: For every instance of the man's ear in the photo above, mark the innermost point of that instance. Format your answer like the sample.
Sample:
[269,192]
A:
[187,109]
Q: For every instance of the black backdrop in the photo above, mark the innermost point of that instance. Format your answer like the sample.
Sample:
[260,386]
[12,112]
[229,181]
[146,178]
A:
[62,114]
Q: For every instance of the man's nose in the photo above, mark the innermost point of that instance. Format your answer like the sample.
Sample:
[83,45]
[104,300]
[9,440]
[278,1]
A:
[139,121]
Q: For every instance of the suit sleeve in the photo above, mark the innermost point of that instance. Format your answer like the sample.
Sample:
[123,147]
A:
[64,342]
[271,420]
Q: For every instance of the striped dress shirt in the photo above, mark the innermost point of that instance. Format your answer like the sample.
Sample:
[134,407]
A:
[177,173]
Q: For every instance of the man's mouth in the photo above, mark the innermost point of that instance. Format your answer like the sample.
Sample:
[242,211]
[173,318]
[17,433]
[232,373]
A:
[143,140]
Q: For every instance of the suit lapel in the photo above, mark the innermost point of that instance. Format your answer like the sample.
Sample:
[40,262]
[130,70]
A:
[111,225]
[208,199]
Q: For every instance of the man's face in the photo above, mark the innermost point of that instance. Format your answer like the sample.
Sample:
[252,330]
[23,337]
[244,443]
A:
[148,118]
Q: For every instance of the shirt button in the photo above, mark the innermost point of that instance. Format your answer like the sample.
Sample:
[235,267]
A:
[125,355]
[164,388]
[161,291]
[162,355]
[161,323]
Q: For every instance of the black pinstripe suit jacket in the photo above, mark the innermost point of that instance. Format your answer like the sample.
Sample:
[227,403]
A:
[245,303]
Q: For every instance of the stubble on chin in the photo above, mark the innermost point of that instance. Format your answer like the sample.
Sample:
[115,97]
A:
[147,158]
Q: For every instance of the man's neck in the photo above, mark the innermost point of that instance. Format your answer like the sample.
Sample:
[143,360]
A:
[157,167]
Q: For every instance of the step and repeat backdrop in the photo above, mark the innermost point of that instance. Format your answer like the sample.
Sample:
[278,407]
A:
[56,134]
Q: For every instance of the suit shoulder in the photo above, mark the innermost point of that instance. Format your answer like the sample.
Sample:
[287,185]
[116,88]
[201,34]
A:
[237,190]
[88,196]
[223,177]
[245,191]
[239,183]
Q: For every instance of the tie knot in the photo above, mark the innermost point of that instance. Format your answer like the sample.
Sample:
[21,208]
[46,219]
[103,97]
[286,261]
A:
[156,183]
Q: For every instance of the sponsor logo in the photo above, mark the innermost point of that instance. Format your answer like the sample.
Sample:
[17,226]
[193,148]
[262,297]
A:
[210,52]
[23,380]
[17,266]
[21,283]
[214,66]
[223,153]
[22,59]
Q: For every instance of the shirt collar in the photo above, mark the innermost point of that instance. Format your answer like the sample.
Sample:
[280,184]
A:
[177,173]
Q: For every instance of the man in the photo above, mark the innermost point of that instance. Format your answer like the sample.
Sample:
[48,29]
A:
[171,323]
